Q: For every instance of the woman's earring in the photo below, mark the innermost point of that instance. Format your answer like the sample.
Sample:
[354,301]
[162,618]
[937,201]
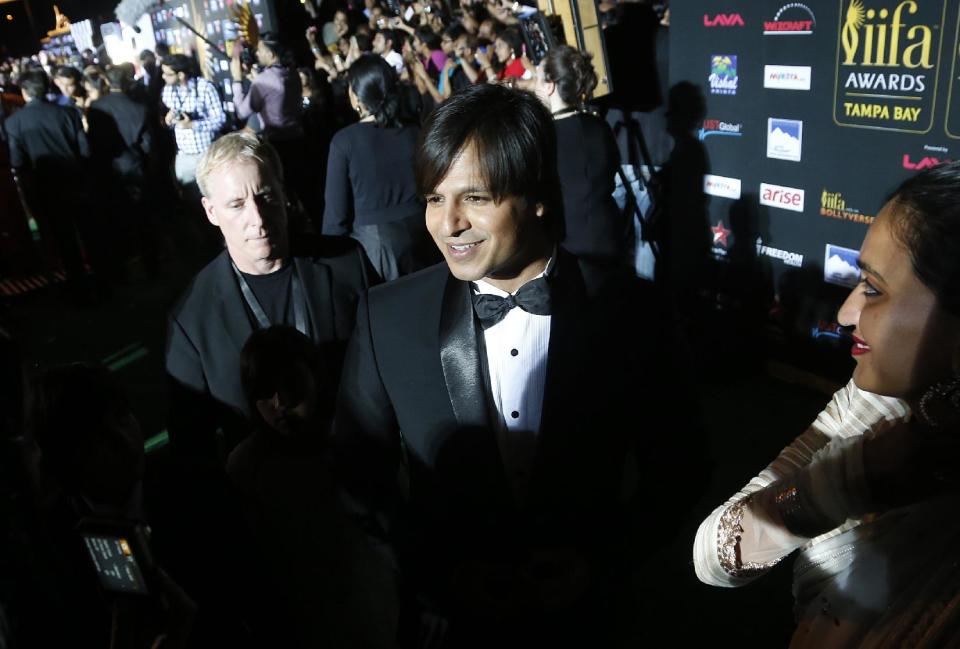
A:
[940,404]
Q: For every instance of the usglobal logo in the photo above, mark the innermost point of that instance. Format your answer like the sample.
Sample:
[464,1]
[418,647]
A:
[722,186]
[792,19]
[713,127]
[723,20]
[784,198]
[787,77]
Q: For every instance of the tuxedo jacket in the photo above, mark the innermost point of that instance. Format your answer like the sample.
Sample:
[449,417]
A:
[121,136]
[415,403]
[210,323]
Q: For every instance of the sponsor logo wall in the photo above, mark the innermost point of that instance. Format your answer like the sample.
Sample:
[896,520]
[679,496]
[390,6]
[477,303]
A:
[815,111]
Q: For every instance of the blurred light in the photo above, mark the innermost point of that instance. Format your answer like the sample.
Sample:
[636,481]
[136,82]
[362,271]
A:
[9,17]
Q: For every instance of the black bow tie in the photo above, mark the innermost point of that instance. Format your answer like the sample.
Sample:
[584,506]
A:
[533,297]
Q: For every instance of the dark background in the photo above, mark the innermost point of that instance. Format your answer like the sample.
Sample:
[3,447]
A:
[864,164]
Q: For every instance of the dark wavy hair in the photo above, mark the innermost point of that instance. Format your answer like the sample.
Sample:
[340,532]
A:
[515,140]
[573,73]
[375,84]
[927,222]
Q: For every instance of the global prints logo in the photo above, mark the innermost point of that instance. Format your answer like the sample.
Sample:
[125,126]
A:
[932,156]
[723,20]
[787,77]
[713,127]
[784,139]
[792,19]
[784,198]
[723,74]
[722,186]
[794,259]
[840,266]
[834,206]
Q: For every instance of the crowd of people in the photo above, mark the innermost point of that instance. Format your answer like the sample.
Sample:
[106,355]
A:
[405,402]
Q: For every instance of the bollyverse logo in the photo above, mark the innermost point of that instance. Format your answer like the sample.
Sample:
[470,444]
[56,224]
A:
[723,74]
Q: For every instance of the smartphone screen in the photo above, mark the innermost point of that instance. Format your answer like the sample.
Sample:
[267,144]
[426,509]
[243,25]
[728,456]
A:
[408,14]
[115,563]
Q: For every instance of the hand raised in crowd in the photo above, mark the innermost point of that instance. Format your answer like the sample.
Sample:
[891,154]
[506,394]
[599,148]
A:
[341,29]
[311,35]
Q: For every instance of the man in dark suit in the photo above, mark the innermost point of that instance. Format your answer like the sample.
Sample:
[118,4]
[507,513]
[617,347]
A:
[261,279]
[48,151]
[517,392]
[121,144]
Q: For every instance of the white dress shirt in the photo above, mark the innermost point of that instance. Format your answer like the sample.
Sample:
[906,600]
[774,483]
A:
[517,362]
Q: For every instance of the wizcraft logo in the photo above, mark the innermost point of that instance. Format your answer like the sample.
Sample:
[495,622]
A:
[723,74]
[723,20]
[713,127]
[792,19]
[887,62]
[833,205]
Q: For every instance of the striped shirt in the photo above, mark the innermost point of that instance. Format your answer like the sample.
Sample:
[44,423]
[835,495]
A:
[850,413]
[201,102]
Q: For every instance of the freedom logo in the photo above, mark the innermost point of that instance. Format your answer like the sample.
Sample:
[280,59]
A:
[840,266]
[723,74]
[784,139]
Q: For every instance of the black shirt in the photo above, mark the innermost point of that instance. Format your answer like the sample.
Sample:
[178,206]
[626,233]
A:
[273,292]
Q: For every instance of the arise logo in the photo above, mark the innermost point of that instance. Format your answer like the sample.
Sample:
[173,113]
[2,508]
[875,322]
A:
[784,198]
[723,20]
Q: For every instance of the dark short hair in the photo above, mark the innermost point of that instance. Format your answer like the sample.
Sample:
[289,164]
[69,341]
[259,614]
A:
[573,73]
[375,83]
[513,134]
[428,37]
[34,83]
[146,54]
[512,37]
[390,36]
[927,221]
[119,77]
[179,63]
[454,31]
[68,72]
[269,360]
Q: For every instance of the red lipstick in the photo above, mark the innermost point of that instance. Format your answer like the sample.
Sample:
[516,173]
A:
[860,347]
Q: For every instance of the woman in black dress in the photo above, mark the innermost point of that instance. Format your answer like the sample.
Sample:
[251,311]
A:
[587,158]
[370,192]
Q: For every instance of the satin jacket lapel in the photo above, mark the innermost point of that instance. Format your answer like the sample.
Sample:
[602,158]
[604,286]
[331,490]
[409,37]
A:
[317,292]
[568,296]
[460,357]
[234,317]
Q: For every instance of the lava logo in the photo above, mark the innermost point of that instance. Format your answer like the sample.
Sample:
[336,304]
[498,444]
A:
[784,139]
[792,19]
[722,186]
[887,61]
[840,266]
[786,77]
[723,74]
[723,20]
[716,127]
[784,198]
[922,163]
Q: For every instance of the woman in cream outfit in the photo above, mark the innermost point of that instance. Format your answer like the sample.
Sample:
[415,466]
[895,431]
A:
[870,493]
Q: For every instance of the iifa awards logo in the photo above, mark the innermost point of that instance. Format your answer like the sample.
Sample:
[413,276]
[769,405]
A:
[887,64]
[723,74]
[952,126]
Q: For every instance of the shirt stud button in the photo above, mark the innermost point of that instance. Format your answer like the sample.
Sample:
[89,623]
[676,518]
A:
[514,352]
[515,414]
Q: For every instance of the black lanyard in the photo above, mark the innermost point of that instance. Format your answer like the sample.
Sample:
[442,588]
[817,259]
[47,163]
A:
[299,304]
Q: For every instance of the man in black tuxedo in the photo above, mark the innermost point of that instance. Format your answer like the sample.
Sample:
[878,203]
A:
[261,279]
[49,152]
[122,138]
[499,412]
